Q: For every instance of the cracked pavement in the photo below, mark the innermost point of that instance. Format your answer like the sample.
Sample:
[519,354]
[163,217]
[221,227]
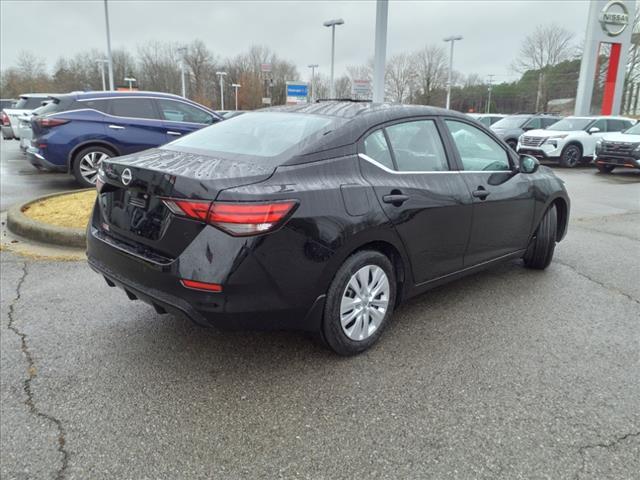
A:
[507,374]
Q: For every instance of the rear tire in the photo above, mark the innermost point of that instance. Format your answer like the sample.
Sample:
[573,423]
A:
[540,252]
[87,162]
[605,168]
[359,302]
[571,156]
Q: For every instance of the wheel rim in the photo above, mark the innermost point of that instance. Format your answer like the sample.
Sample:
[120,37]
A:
[572,155]
[365,301]
[89,165]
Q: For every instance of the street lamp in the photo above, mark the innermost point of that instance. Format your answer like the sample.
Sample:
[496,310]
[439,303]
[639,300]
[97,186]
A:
[451,39]
[221,75]
[101,62]
[380,53]
[332,24]
[130,80]
[236,86]
[182,51]
[110,58]
[313,67]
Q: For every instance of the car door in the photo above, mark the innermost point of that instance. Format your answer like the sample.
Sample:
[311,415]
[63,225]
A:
[180,118]
[134,124]
[589,141]
[503,201]
[427,201]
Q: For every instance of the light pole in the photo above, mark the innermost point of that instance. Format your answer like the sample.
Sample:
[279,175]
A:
[382,9]
[332,24]
[109,58]
[221,75]
[101,62]
[182,51]
[130,80]
[451,39]
[313,67]
[236,86]
[490,90]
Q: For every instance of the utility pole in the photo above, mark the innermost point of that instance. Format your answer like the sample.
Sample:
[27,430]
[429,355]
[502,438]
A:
[451,39]
[101,62]
[236,86]
[379,59]
[490,89]
[332,24]
[313,67]
[110,58]
[182,51]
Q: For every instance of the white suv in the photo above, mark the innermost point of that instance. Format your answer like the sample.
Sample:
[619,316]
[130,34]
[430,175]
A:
[571,140]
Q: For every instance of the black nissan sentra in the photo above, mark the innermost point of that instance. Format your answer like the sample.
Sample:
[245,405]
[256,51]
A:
[322,217]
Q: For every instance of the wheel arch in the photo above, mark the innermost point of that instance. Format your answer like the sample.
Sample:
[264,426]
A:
[90,143]
[562,211]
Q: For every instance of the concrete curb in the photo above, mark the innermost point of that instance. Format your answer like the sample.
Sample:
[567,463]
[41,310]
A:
[20,224]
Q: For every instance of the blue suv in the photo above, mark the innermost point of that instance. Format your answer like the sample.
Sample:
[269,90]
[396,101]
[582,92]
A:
[75,132]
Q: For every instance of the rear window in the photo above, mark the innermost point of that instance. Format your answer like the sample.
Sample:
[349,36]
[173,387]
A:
[100,105]
[29,103]
[54,105]
[264,134]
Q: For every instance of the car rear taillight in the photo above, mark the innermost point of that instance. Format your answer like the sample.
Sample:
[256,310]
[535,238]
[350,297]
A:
[5,120]
[50,122]
[236,218]
[203,286]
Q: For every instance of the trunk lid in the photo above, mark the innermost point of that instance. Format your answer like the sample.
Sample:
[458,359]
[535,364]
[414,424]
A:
[131,206]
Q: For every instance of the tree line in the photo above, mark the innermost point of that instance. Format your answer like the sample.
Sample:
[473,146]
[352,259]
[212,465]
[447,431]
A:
[548,64]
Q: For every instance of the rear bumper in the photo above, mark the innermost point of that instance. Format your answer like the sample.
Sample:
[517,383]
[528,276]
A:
[238,306]
[37,159]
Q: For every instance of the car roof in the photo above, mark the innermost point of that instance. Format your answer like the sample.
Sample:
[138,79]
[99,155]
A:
[119,93]
[598,117]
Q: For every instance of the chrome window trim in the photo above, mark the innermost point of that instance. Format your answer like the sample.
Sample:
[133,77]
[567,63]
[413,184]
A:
[426,172]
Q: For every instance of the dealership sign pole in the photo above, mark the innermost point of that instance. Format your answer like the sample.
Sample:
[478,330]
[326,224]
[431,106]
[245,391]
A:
[609,22]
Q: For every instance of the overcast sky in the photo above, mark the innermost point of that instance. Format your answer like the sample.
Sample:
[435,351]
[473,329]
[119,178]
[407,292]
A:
[492,30]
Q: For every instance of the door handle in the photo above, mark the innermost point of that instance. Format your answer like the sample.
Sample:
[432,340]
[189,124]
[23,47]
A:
[481,193]
[176,134]
[116,127]
[395,199]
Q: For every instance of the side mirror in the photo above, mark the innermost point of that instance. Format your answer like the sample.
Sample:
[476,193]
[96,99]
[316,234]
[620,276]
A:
[529,164]
[593,130]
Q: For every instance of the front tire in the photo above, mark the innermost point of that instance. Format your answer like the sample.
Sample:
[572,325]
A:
[540,252]
[87,162]
[571,156]
[605,168]
[359,302]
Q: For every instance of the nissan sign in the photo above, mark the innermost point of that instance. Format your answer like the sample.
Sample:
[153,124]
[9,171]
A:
[614,18]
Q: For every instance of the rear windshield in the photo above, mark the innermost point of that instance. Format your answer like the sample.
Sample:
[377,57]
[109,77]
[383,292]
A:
[54,105]
[511,122]
[259,134]
[29,103]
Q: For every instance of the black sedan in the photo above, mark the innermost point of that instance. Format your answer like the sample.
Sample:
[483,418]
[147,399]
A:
[322,217]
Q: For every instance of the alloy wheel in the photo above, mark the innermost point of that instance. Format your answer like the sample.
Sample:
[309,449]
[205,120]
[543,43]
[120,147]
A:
[572,156]
[364,302]
[89,165]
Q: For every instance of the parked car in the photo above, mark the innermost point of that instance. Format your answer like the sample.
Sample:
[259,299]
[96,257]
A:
[83,129]
[233,113]
[7,103]
[319,217]
[510,128]
[619,150]
[486,119]
[571,140]
[27,103]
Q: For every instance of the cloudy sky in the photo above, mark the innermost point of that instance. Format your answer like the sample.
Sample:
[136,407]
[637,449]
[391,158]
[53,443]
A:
[492,30]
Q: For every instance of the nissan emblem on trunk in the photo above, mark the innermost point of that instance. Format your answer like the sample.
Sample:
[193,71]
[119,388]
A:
[126,176]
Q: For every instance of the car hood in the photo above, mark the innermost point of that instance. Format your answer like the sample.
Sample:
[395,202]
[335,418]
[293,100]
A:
[549,133]
[621,137]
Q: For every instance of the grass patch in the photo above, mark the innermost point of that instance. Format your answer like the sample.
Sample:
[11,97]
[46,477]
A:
[71,210]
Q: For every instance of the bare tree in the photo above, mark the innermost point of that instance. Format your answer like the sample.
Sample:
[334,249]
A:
[399,74]
[431,70]
[547,46]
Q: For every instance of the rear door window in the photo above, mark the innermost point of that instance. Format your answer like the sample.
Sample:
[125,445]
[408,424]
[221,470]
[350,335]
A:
[417,147]
[134,108]
[99,105]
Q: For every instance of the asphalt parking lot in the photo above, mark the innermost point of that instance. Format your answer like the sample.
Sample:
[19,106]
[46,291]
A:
[510,373]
